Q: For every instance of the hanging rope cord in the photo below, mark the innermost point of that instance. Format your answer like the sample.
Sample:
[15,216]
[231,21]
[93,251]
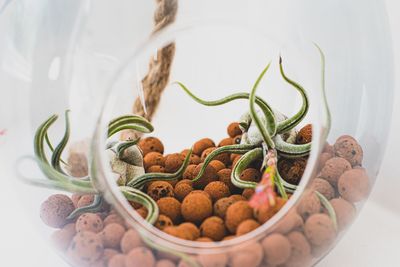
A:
[158,74]
[157,78]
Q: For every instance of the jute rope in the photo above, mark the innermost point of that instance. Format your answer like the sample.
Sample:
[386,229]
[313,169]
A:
[158,74]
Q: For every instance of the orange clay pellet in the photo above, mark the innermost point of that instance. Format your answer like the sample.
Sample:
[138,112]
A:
[202,145]
[214,228]
[237,198]
[226,142]
[181,233]
[218,165]
[173,162]
[163,222]
[190,227]
[224,176]
[160,189]
[170,207]
[263,214]
[221,206]
[236,160]
[207,152]
[248,193]
[234,129]
[142,212]
[189,172]
[130,240]
[246,227]
[112,235]
[217,190]
[156,168]
[209,175]
[204,193]
[194,159]
[305,135]
[89,222]
[196,207]
[236,214]
[250,175]
[153,158]
[151,144]
[182,189]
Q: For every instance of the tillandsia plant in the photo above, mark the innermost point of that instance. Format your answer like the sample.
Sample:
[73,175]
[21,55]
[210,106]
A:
[268,135]
[126,161]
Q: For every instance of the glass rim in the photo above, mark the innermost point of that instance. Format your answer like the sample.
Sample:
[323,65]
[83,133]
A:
[100,170]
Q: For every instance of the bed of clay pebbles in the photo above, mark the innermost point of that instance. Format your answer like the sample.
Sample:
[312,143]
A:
[213,209]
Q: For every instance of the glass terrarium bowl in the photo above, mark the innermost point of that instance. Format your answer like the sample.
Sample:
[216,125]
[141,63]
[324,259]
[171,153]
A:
[100,69]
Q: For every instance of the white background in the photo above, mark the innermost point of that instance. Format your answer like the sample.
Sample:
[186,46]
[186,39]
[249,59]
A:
[373,240]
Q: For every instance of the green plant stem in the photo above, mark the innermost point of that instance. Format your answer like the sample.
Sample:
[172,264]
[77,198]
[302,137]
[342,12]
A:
[237,149]
[137,196]
[242,164]
[95,206]
[328,206]
[142,180]
[262,104]
[291,149]
[292,122]
[270,118]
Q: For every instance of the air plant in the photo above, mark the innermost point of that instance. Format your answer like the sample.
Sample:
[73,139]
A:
[268,135]
[129,183]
